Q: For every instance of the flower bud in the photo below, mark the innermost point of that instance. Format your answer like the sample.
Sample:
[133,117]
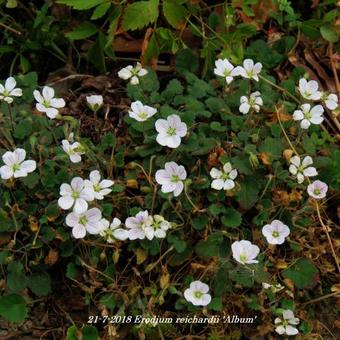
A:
[254,161]
[95,102]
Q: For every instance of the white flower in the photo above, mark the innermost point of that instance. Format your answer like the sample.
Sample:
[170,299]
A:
[95,102]
[317,189]
[224,68]
[158,227]
[223,179]
[99,188]
[287,323]
[249,70]
[245,252]
[141,112]
[137,225]
[197,294]
[309,89]
[274,288]
[275,232]
[86,221]
[253,102]
[112,232]
[47,103]
[132,72]
[71,137]
[302,170]
[330,100]
[8,91]
[15,164]
[75,194]
[309,116]
[171,178]
[170,131]
[74,150]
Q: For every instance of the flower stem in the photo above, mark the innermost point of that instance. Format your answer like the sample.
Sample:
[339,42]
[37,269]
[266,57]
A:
[284,132]
[189,199]
[324,227]
[280,88]
[328,237]
[10,117]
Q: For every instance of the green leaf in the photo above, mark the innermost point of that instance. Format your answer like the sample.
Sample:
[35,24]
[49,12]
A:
[200,222]
[243,275]
[303,273]
[16,278]
[71,270]
[72,333]
[81,4]
[329,33]
[179,244]
[108,300]
[118,188]
[83,31]
[248,194]
[5,256]
[100,10]
[216,105]
[221,283]
[23,129]
[216,209]
[272,146]
[311,28]
[39,283]
[216,304]
[89,333]
[174,13]
[216,126]
[13,307]
[173,88]
[186,60]
[213,246]
[231,218]
[108,141]
[96,55]
[31,180]
[305,327]
[139,14]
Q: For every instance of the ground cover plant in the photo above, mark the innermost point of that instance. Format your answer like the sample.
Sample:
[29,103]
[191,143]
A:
[208,197]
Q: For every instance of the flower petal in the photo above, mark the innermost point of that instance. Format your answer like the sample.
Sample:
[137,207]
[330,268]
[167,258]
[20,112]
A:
[10,84]
[48,93]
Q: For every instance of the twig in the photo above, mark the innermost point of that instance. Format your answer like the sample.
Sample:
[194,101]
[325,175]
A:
[10,117]
[154,264]
[335,73]
[279,88]
[284,131]
[10,29]
[320,298]
[316,202]
[72,76]
[328,237]
[97,271]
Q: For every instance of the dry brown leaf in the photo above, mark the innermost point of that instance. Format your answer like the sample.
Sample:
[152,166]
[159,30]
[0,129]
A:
[164,280]
[264,156]
[281,264]
[122,44]
[289,283]
[33,223]
[287,154]
[52,257]
[132,183]
[141,255]
[197,266]
[214,156]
